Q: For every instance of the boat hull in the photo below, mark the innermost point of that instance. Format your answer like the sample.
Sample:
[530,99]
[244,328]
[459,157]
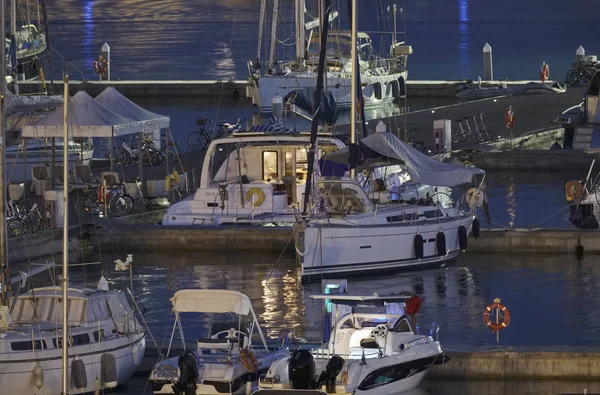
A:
[17,377]
[336,249]
[265,88]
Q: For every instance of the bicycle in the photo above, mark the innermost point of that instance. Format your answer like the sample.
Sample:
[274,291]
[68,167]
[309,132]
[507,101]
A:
[200,139]
[24,220]
[119,203]
[581,73]
[484,128]
[140,202]
[125,155]
[418,145]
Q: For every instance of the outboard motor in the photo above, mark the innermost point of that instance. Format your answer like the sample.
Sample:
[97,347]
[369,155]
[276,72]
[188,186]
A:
[188,375]
[328,376]
[301,370]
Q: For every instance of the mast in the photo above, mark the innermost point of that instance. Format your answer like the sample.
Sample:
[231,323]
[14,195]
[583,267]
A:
[13,17]
[316,109]
[261,23]
[273,32]
[4,281]
[300,31]
[65,268]
[353,84]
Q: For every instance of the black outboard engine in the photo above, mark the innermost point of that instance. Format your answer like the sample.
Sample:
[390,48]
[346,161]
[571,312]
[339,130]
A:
[301,370]
[188,376]
[328,376]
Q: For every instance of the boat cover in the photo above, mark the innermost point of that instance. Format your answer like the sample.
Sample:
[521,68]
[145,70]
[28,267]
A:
[304,99]
[211,301]
[420,167]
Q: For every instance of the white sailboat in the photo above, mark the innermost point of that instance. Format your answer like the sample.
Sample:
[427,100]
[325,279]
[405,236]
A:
[383,76]
[64,339]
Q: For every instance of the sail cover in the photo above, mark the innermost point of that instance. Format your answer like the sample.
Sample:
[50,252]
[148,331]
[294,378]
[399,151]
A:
[304,99]
[420,167]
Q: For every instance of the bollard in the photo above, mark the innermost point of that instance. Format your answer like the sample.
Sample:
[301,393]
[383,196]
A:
[106,55]
[277,106]
[488,71]
[579,54]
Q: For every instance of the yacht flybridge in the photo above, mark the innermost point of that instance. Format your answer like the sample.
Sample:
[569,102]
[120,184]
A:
[251,178]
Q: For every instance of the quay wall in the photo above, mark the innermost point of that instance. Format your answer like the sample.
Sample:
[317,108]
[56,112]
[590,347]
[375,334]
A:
[217,88]
[533,159]
[245,238]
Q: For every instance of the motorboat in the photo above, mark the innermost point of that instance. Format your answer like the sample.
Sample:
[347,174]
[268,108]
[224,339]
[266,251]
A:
[383,75]
[347,232]
[226,360]
[370,347]
[107,343]
[251,178]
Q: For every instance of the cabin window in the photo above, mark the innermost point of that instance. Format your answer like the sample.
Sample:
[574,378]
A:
[270,172]
[403,326]
[99,335]
[28,345]
[77,340]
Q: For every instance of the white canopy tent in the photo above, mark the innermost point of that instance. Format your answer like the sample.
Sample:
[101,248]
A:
[116,102]
[211,301]
[87,118]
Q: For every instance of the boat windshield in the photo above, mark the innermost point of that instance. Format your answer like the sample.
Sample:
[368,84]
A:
[344,196]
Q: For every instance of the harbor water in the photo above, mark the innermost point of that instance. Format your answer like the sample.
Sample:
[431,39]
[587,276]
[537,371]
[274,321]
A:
[214,39]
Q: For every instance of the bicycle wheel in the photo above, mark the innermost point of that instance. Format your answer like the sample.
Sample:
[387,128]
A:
[117,206]
[480,137]
[143,204]
[130,203]
[16,227]
[419,146]
[198,140]
[148,158]
[119,156]
[490,135]
[463,137]
[171,154]
[455,137]
[46,219]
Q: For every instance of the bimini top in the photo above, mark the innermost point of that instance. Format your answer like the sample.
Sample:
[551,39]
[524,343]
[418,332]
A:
[211,301]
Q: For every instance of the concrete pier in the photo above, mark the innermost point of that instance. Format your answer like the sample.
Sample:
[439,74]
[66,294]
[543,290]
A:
[275,239]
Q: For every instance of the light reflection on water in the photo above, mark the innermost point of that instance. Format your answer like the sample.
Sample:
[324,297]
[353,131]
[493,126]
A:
[552,298]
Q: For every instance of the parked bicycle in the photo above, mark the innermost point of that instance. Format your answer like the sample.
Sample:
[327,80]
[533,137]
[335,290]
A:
[418,145]
[150,155]
[24,217]
[118,203]
[200,139]
[479,130]
[581,73]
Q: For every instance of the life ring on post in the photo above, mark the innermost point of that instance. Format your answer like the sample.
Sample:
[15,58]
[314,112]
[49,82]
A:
[171,180]
[255,191]
[501,311]
[509,118]
[100,66]
[544,72]
[573,190]
[248,360]
[360,104]
[101,194]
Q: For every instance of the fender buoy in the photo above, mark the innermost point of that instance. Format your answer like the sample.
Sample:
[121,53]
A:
[509,118]
[490,311]
[100,66]
[79,374]
[440,243]
[418,242]
[248,360]
[462,238]
[109,370]
[544,72]
[38,376]
[573,190]
[257,191]
[475,229]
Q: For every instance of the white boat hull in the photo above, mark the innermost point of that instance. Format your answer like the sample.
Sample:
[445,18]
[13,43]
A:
[17,377]
[340,248]
[265,88]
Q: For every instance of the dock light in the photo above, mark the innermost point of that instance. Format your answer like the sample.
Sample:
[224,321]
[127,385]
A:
[432,111]
[495,100]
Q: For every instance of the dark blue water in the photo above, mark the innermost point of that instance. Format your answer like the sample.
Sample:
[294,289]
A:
[213,39]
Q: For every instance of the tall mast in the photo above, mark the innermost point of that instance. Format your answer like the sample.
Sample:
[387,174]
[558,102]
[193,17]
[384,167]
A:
[4,282]
[261,23]
[13,17]
[300,31]
[353,85]
[65,268]
[273,32]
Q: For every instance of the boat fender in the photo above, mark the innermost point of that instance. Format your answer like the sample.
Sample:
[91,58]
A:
[257,191]
[440,243]
[476,228]
[418,246]
[38,376]
[109,370]
[79,374]
[462,238]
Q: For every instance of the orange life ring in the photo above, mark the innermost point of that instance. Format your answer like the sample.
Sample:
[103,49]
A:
[100,66]
[509,118]
[248,360]
[573,190]
[101,194]
[545,72]
[360,104]
[505,316]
